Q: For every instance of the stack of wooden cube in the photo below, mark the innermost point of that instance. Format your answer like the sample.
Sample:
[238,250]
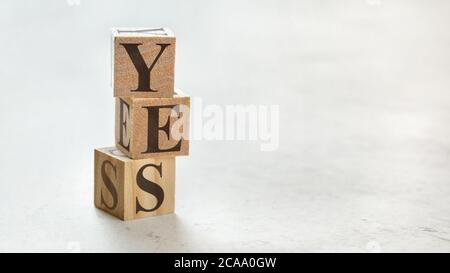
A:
[136,178]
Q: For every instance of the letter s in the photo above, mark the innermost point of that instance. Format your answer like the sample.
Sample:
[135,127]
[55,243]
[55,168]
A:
[150,187]
[109,185]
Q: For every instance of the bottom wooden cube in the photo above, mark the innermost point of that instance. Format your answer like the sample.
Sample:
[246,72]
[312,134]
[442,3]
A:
[131,189]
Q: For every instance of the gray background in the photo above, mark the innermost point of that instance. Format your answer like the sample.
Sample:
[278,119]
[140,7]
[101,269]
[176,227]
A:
[364,157]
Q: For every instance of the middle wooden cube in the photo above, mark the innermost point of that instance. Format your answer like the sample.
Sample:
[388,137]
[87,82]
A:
[152,127]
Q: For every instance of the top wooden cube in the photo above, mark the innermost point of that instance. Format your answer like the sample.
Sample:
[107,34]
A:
[143,62]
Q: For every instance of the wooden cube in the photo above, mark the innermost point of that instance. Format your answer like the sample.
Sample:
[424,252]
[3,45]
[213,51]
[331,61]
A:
[153,127]
[131,189]
[143,62]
